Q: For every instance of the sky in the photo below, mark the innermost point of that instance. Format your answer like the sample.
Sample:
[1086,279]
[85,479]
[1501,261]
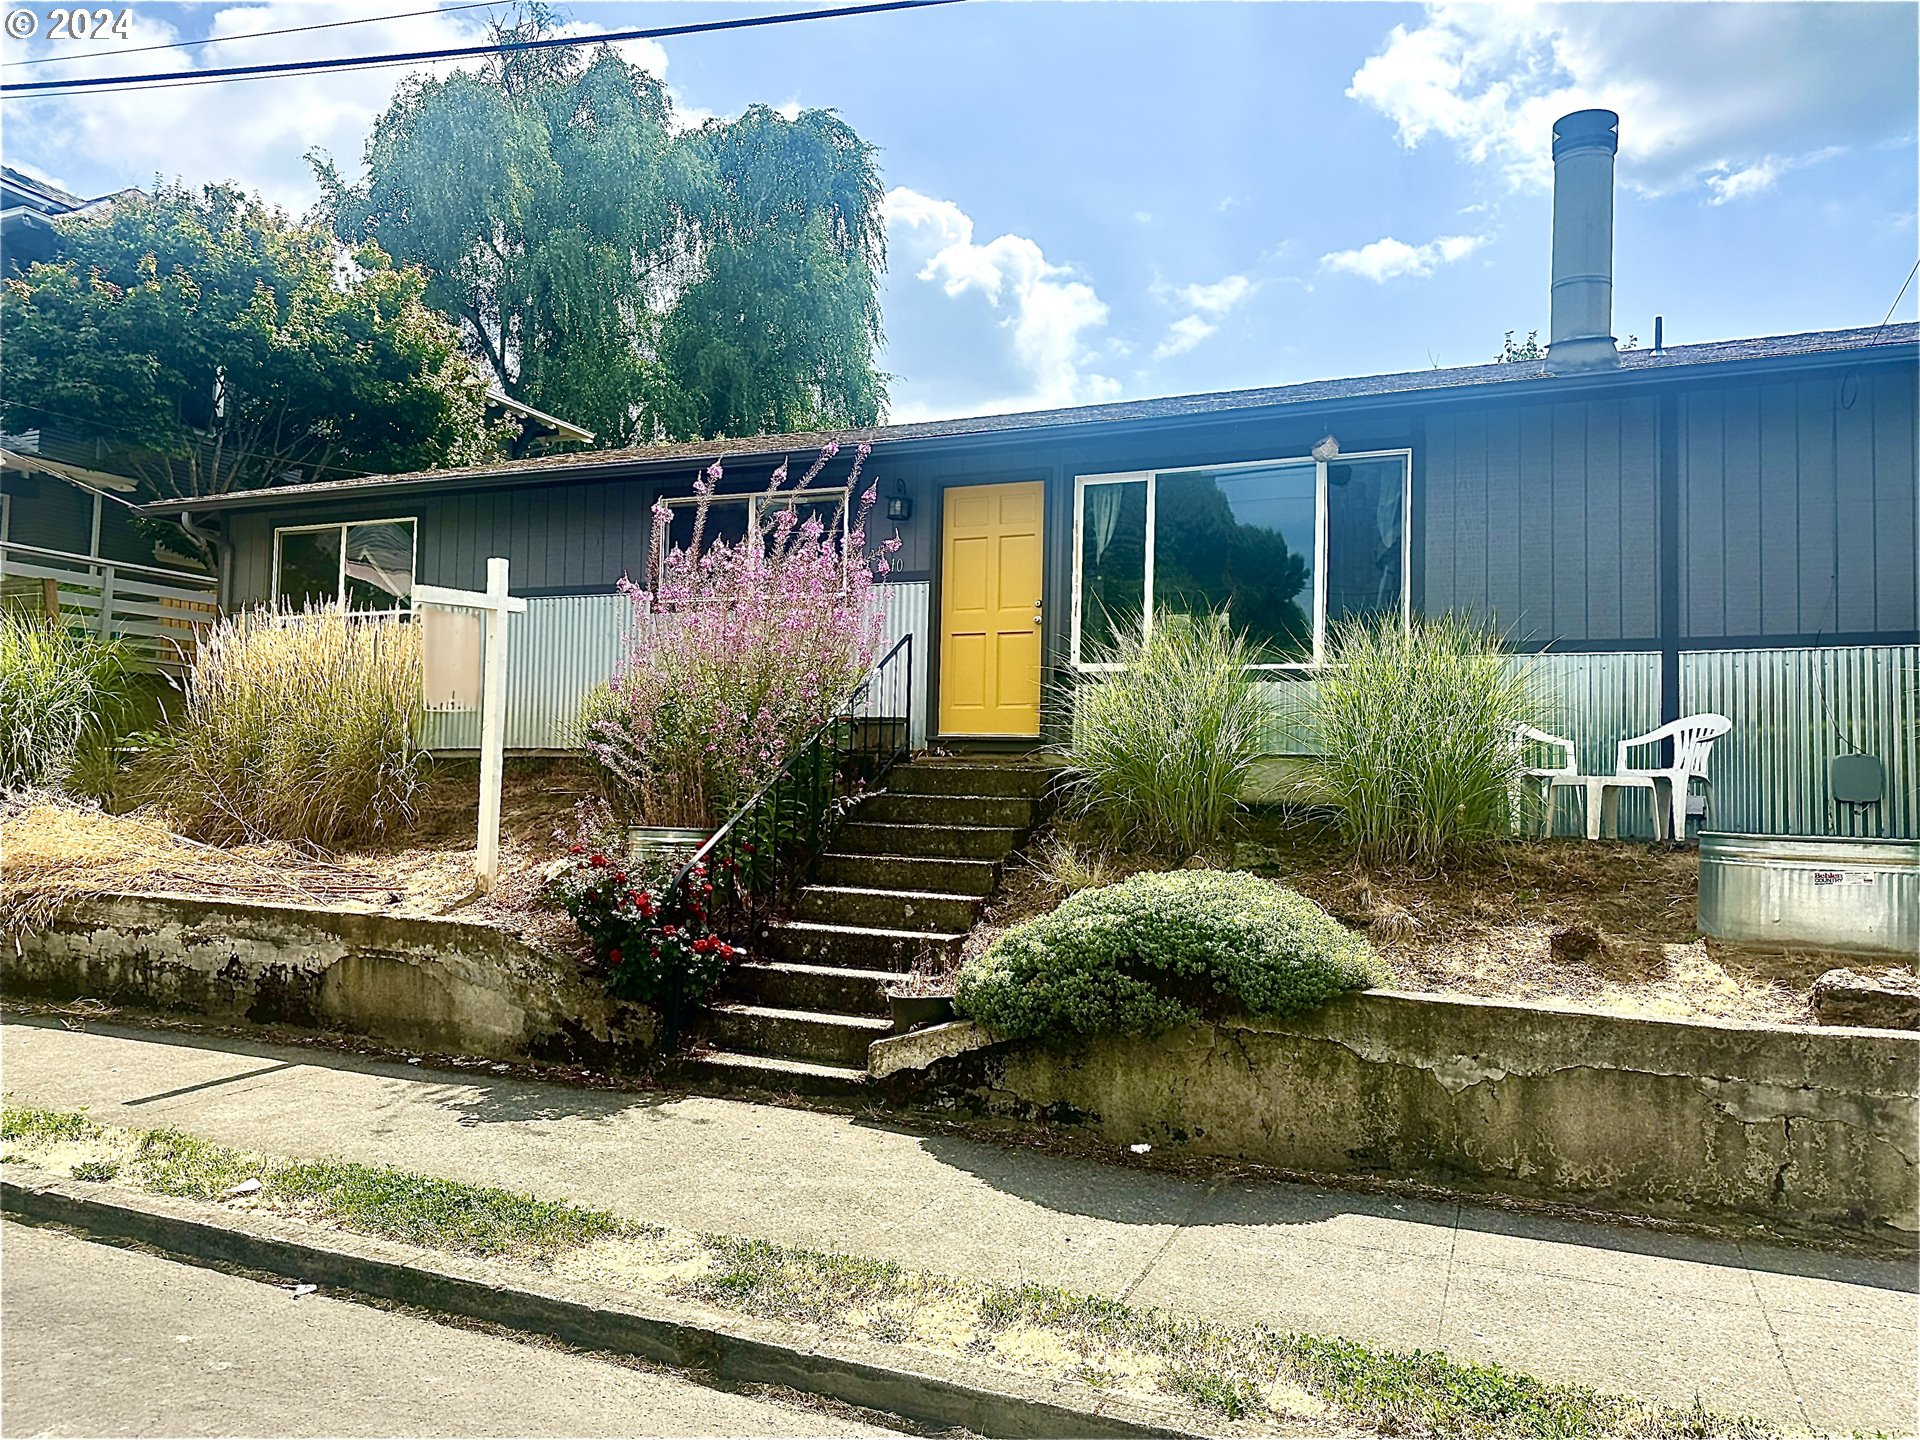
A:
[1097,201]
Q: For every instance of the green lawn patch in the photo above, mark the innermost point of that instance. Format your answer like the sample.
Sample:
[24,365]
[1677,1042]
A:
[392,1204]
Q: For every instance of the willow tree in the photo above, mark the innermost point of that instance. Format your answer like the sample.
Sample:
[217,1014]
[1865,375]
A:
[778,330]
[639,280]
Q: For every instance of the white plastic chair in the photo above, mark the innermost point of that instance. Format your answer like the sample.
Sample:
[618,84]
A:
[1538,781]
[1672,785]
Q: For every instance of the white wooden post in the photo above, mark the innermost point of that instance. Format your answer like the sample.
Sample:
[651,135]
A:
[493,724]
[494,604]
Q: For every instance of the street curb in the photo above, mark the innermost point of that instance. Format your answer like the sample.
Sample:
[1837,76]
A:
[381,1271]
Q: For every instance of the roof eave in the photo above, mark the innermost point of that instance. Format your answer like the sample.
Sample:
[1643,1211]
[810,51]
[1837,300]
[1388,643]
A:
[629,466]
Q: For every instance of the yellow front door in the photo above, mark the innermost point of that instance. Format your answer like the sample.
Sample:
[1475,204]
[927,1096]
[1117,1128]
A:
[990,571]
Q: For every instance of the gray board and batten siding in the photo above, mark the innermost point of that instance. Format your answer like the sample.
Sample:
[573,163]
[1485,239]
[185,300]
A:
[1761,500]
[1790,502]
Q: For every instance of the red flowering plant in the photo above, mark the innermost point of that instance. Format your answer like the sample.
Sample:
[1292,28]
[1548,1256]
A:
[658,947]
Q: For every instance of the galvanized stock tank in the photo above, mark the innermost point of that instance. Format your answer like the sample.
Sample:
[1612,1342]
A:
[1814,892]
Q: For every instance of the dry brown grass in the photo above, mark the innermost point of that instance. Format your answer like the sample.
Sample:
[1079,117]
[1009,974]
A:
[54,852]
[1608,925]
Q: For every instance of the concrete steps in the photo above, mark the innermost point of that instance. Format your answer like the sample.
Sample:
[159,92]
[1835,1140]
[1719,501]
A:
[839,989]
[907,878]
[728,1070]
[813,1035]
[911,872]
[952,842]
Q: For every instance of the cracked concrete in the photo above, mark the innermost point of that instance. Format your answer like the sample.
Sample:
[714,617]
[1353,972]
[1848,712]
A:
[1804,1337]
[1806,1128]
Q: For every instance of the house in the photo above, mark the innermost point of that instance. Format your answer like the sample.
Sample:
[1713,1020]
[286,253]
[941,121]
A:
[28,208]
[1727,526]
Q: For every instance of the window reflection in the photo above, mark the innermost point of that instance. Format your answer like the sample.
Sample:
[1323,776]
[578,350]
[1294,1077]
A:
[1240,540]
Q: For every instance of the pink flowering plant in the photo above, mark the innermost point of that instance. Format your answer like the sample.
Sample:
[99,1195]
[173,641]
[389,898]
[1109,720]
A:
[740,650]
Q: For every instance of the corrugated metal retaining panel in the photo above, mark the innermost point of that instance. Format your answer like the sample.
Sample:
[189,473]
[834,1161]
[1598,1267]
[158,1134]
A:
[559,650]
[907,607]
[1792,712]
[565,645]
[1597,700]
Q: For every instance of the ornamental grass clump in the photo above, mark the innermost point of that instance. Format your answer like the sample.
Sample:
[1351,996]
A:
[296,725]
[739,651]
[1417,730]
[58,687]
[1160,950]
[1162,747]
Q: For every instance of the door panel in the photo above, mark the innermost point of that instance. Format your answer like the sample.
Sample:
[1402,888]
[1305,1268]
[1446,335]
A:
[991,568]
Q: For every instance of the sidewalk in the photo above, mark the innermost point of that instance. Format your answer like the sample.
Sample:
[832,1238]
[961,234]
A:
[1802,1337]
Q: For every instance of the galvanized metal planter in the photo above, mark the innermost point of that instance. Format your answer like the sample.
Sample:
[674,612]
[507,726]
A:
[1820,892]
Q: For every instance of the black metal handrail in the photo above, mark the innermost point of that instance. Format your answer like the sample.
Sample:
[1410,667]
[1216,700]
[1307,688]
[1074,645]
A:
[769,847]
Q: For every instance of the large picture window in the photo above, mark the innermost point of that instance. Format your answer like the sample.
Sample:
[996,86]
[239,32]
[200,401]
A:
[1286,547]
[359,565]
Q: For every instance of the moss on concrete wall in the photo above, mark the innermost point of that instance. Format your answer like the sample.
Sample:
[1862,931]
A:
[429,984]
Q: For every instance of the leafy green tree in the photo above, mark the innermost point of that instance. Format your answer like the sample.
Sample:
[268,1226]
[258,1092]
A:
[1530,348]
[635,280]
[779,331]
[216,345]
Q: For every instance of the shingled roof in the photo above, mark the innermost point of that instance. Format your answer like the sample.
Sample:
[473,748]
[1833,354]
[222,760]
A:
[1886,342]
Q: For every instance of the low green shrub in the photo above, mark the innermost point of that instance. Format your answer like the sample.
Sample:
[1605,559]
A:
[58,688]
[1162,746]
[296,725]
[1417,727]
[1160,950]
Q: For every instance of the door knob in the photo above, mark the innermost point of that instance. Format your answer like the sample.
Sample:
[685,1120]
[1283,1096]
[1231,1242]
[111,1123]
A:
[1036,619]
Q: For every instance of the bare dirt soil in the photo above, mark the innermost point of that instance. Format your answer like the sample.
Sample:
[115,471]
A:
[1607,925]
[1597,925]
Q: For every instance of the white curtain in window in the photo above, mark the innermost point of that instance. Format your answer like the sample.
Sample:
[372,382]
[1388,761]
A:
[1103,514]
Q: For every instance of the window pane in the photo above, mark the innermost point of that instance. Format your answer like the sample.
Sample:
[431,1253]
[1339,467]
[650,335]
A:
[1364,537]
[726,521]
[380,565]
[1113,564]
[310,567]
[1240,539]
[826,506]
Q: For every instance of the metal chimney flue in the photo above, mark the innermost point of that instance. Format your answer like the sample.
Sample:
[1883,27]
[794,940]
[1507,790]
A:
[1581,336]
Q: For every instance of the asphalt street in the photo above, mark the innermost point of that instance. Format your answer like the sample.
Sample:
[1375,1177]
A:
[101,1341]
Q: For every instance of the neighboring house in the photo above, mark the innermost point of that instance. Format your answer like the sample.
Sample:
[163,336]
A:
[1726,526]
[28,208]
[73,550]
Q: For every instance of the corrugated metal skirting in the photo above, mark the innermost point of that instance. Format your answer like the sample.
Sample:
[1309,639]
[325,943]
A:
[565,645]
[1595,700]
[1792,712]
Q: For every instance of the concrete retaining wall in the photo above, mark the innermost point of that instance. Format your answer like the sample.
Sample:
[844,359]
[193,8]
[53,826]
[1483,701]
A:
[449,986]
[1808,1128]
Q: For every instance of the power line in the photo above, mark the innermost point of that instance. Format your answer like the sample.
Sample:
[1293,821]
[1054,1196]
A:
[167,79]
[256,35]
[1902,295]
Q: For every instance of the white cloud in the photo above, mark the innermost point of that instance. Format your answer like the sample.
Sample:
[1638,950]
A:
[1185,333]
[1219,297]
[1389,259]
[1703,91]
[254,132]
[1207,306]
[1049,314]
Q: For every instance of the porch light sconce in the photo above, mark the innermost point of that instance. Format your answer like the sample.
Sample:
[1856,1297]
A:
[1326,448]
[899,504]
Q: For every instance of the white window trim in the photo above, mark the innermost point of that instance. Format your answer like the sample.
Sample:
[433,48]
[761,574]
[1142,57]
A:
[753,500]
[340,580]
[1318,659]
